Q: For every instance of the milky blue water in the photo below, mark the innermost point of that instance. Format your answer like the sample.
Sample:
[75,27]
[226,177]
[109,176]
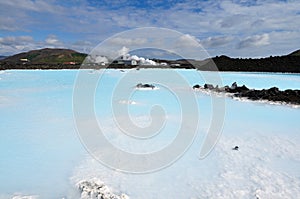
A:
[41,153]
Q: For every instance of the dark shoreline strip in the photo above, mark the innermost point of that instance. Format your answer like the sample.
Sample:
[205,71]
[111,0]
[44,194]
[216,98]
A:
[273,94]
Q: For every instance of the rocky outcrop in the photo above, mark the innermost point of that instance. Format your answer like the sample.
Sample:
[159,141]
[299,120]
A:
[95,189]
[273,94]
[149,86]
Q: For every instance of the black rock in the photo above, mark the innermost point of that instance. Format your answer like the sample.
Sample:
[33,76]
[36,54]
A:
[225,88]
[140,85]
[196,86]
[243,88]
[274,90]
[208,86]
[233,86]
[273,94]
[238,89]
[235,148]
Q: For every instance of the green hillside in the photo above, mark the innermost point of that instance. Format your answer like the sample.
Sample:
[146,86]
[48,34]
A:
[48,56]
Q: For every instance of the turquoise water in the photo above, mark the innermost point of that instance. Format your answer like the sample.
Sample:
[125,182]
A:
[40,147]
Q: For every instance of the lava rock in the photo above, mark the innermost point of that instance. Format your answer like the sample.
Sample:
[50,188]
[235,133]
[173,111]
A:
[197,86]
[140,85]
[273,94]
[233,86]
[236,148]
[208,86]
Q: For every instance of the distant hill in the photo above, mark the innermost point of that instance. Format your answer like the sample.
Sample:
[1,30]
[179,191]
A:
[295,53]
[47,56]
[286,63]
[2,57]
[70,59]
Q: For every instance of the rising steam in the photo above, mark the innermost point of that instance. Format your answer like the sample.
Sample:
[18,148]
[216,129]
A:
[124,54]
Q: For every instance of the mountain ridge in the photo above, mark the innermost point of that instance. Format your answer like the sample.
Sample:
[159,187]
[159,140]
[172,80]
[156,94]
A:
[47,55]
[52,58]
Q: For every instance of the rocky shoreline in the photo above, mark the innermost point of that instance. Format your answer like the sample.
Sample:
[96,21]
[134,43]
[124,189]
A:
[273,94]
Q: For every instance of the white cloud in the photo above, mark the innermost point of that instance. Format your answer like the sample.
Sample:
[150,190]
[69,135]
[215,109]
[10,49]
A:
[12,45]
[232,21]
[82,46]
[15,40]
[38,6]
[8,24]
[128,41]
[216,41]
[256,40]
[187,40]
[52,40]
[15,44]
[203,19]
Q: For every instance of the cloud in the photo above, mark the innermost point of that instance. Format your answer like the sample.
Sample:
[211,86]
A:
[94,22]
[82,46]
[15,40]
[12,45]
[8,24]
[15,44]
[24,15]
[216,41]
[128,41]
[52,40]
[256,40]
[233,20]
[38,6]
[187,40]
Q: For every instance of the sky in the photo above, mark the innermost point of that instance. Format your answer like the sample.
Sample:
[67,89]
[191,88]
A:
[236,28]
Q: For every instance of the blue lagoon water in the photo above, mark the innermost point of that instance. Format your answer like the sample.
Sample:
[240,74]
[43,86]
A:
[42,155]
